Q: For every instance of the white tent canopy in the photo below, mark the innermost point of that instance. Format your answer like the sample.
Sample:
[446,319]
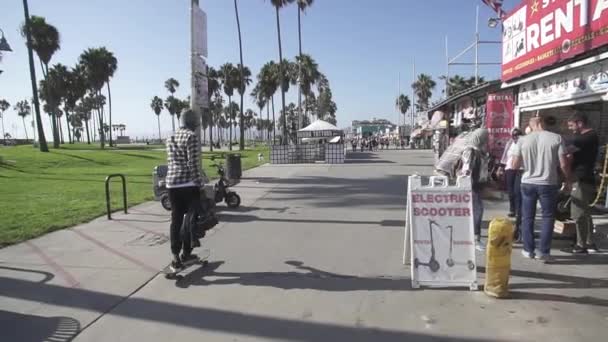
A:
[318,126]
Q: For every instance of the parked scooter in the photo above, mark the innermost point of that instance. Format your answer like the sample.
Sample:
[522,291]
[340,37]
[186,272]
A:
[232,199]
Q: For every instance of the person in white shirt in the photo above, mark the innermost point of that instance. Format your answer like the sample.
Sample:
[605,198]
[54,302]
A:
[513,180]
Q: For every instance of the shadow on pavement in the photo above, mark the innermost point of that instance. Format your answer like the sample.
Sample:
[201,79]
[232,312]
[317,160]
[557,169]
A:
[20,327]
[201,318]
[307,278]
[251,218]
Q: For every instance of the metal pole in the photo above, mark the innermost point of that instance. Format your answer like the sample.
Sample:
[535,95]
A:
[398,103]
[413,92]
[477,46]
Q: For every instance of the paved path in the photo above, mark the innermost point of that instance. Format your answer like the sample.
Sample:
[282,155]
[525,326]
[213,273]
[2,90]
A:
[314,254]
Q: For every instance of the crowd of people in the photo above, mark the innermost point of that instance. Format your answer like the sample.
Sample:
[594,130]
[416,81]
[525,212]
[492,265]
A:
[373,143]
[540,166]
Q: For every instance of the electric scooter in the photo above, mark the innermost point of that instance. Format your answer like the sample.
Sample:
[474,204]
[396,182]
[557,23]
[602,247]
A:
[433,264]
[450,262]
[232,199]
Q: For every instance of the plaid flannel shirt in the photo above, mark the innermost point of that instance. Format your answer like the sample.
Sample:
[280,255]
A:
[183,156]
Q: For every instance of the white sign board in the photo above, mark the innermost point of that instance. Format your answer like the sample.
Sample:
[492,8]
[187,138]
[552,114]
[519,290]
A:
[200,83]
[440,240]
[567,85]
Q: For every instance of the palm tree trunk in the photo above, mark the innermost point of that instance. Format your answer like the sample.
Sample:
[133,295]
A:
[55,130]
[282,75]
[3,131]
[67,122]
[274,126]
[241,85]
[25,128]
[230,116]
[300,119]
[41,138]
[268,122]
[110,112]
[86,124]
[158,120]
[173,122]
[211,134]
[60,128]
[94,127]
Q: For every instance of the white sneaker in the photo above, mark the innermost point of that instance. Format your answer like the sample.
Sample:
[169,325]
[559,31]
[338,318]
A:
[480,247]
[527,255]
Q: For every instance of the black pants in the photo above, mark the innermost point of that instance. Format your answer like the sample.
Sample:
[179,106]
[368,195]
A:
[513,179]
[182,199]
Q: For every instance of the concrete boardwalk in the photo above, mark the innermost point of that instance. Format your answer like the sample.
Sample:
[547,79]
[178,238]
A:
[314,254]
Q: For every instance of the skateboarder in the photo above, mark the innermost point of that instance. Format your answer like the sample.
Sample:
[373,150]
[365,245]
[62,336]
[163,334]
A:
[184,179]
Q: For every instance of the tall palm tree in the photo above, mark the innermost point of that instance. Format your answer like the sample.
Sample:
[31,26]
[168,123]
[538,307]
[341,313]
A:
[241,84]
[423,88]
[76,90]
[99,65]
[157,107]
[244,81]
[278,4]
[172,104]
[42,38]
[4,105]
[302,6]
[111,65]
[53,90]
[171,85]
[403,104]
[268,81]
[213,87]
[308,75]
[23,109]
[229,75]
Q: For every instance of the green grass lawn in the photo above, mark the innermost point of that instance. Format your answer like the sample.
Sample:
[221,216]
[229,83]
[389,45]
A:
[43,192]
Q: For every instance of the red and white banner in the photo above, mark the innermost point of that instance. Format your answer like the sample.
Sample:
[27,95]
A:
[540,33]
[499,121]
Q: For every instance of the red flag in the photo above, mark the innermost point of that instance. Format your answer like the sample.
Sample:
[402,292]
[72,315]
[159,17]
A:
[496,5]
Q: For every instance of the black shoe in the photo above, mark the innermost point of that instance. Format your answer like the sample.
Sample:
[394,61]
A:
[592,248]
[575,250]
[511,214]
[189,258]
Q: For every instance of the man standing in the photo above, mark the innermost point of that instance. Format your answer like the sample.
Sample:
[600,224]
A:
[184,179]
[541,153]
[584,150]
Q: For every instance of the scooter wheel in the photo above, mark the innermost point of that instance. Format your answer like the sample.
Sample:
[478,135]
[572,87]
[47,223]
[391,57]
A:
[165,202]
[450,262]
[471,265]
[434,266]
[233,200]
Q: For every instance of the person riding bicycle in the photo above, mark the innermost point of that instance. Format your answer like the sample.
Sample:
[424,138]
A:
[184,180]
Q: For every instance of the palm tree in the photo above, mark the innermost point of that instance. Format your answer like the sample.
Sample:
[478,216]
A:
[278,4]
[171,85]
[423,88]
[157,107]
[403,104]
[76,90]
[268,82]
[4,105]
[229,76]
[23,109]
[99,66]
[42,38]
[111,64]
[308,75]
[244,81]
[302,6]
[172,104]
[213,87]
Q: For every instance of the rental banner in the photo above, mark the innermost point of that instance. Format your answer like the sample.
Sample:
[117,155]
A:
[499,121]
[540,33]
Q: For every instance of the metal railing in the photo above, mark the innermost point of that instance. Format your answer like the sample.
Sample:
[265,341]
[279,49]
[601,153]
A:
[124,193]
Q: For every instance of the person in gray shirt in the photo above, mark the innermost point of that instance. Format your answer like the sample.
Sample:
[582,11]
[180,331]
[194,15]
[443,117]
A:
[542,154]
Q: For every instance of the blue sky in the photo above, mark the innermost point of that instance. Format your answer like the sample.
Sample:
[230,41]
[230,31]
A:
[360,45]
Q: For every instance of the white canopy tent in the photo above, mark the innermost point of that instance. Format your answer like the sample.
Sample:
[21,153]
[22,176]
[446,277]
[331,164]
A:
[320,131]
[318,126]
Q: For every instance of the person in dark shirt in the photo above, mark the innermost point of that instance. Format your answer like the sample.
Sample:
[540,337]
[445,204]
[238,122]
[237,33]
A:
[584,148]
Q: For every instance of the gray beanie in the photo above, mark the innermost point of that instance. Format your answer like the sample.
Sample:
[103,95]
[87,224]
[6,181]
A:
[189,120]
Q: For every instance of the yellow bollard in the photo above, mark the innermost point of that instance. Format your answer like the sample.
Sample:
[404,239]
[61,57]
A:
[498,257]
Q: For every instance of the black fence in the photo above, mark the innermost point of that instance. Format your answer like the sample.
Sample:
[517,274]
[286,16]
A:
[307,154]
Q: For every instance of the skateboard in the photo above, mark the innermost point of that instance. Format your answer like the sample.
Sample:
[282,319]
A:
[202,259]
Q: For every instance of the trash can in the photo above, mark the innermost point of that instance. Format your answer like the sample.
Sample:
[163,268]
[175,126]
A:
[498,257]
[233,166]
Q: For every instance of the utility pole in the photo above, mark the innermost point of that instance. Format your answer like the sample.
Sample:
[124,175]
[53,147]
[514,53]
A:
[413,94]
[199,101]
